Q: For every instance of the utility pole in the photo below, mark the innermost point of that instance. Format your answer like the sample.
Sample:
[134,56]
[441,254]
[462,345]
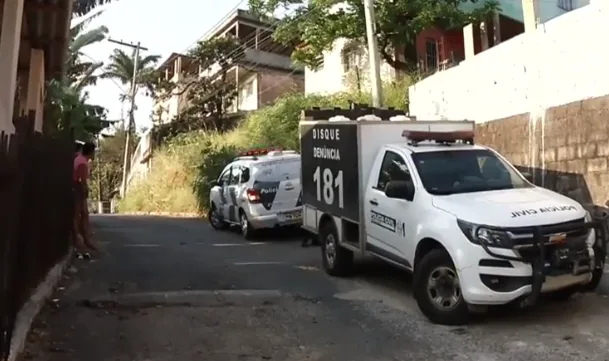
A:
[130,124]
[373,54]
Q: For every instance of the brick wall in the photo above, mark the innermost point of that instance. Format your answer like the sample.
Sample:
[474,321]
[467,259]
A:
[273,84]
[572,141]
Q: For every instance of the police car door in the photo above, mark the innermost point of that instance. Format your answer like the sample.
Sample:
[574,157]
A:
[232,192]
[386,217]
[217,193]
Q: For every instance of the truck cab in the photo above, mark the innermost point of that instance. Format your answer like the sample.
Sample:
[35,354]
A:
[424,197]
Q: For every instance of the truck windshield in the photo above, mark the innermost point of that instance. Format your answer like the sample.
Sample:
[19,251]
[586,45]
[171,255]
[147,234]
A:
[465,171]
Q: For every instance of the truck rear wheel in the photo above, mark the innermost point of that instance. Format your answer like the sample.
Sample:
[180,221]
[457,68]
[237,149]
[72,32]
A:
[437,290]
[337,260]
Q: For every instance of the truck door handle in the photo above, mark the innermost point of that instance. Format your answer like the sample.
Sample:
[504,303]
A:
[374,202]
[289,188]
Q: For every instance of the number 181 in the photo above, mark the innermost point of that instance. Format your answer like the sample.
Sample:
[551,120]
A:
[329,183]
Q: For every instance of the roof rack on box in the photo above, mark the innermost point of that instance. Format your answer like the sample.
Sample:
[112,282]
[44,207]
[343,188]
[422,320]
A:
[319,114]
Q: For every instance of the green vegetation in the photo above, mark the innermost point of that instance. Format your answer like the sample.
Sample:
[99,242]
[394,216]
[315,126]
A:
[184,166]
[318,23]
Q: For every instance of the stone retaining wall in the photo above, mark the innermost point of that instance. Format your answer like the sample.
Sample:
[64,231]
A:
[567,150]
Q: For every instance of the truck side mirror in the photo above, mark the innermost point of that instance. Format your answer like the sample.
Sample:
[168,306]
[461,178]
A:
[400,190]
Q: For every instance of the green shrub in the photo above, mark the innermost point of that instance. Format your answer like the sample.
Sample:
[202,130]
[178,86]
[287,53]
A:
[168,186]
[184,168]
[277,125]
[216,152]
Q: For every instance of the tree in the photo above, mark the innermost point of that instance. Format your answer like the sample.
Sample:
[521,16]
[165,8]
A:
[108,166]
[84,7]
[69,108]
[81,72]
[318,23]
[66,101]
[208,96]
[121,66]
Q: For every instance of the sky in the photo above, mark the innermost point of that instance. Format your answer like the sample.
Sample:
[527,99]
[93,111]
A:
[161,26]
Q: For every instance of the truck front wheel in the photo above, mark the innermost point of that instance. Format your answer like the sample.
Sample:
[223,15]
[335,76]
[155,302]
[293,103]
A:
[337,260]
[437,290]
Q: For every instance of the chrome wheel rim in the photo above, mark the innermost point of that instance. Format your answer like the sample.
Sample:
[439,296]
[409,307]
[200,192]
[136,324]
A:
[443,288]
[330,248]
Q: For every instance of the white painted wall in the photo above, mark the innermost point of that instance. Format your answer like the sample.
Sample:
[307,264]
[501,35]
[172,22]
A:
[330,78]
[563,61]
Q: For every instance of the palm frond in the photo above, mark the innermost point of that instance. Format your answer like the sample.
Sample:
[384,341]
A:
[88,76]
[83,7]
[87,38]
[77,28]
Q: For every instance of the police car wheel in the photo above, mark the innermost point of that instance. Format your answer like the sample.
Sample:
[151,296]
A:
[337,261]
[215,219]
[247,230]
[437,290]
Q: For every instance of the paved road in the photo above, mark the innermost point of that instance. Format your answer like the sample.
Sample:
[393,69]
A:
[174,289]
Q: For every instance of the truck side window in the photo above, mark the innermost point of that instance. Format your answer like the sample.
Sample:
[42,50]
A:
[393,169]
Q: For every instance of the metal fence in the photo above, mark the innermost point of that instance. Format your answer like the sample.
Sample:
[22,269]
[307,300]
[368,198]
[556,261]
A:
[35,215]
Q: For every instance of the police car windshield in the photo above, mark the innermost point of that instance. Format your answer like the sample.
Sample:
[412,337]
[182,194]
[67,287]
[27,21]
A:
[274,170]
[465,171]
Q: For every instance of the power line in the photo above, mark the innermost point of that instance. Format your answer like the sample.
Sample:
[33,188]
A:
[214,26]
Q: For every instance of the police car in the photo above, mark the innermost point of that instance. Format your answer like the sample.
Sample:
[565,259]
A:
[258,189]
[422,196]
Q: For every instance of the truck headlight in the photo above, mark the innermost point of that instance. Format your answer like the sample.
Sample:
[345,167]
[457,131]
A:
[588,217]
[482,235]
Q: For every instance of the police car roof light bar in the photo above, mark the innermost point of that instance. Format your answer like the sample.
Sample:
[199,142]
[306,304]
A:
[466,136]
[258,151]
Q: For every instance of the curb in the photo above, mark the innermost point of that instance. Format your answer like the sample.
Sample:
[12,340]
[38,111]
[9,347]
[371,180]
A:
[164,214]
[32,307]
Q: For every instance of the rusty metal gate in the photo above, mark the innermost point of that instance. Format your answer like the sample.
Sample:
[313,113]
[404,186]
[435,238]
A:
[35,215]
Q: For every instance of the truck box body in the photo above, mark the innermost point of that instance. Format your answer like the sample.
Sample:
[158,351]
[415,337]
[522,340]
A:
[345,151]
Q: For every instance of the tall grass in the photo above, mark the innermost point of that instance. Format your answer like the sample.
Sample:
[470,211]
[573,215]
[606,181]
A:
[183,169]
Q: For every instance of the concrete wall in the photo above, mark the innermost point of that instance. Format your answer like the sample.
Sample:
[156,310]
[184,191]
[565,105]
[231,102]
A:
[274,84]
[568,150]
[561,62]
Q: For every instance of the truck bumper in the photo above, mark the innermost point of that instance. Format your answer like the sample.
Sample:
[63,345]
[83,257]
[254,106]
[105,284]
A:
[500,276]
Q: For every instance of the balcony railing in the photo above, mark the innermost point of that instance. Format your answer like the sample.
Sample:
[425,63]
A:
[257,58]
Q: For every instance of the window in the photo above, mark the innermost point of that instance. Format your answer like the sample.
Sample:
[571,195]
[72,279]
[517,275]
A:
[235,175]
[431,54]
[465,171]
[245,174]
[248,89]
[393,169]
[566,5]
[225,177]
[352,60]
[277,170]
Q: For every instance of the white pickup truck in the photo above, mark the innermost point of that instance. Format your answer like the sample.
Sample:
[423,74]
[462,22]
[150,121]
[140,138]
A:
[422,196]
